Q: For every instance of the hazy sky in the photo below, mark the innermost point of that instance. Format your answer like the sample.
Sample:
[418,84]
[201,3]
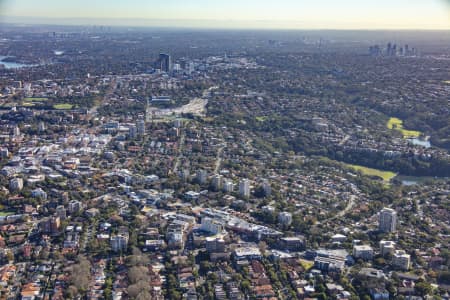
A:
[339,14]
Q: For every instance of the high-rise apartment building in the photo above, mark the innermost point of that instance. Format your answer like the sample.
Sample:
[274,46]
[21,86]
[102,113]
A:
[388,220]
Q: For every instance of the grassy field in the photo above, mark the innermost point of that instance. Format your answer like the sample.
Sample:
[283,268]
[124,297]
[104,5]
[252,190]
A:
[5,213]
[397,124]
[306,264]
[33,99]
[63,106]
[386,175]
[208,119]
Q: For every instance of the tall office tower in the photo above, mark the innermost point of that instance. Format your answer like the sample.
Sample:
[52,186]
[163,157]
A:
[177,67]
[388,220]
[394,50]
[165,62]
[374,50]
[244,188]
[183,63]
[191,68]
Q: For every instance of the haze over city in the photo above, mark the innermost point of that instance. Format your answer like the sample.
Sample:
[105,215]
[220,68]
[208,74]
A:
[265,14]
[224,150]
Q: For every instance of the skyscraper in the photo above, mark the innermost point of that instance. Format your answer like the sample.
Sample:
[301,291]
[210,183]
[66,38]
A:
[191,68]
[388,220]
[165,62]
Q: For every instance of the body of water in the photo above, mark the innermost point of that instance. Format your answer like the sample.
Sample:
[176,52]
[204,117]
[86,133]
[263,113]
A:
[12,65]
[413,180]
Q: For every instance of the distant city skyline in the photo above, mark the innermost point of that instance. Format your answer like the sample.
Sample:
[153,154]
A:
[281,14]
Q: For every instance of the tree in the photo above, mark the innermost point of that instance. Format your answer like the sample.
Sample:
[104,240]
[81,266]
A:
[174,294]
[380,261]
[262,247]
[144,295]
[71,292]
[44,254]
[245,285]
[444,277]
[423,288]
[81,274]
[10,256]
[136,274]
[137,259]
[205,266]
[138,288]
[108,293]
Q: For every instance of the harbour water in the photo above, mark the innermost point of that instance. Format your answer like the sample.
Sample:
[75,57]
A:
[12,65]
[413,180]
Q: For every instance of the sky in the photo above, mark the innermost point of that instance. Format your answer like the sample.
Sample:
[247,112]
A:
[289,14]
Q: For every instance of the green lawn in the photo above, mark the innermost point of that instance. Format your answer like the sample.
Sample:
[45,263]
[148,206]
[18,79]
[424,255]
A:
[32,99]
[397,124]
[306,264]
[5,213]
[386,175]
[9,104]
[63,106]
[261,119]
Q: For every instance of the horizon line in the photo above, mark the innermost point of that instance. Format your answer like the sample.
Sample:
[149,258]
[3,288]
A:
[172,23]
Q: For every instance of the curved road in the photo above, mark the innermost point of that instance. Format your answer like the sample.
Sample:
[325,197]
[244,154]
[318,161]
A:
[350,205]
